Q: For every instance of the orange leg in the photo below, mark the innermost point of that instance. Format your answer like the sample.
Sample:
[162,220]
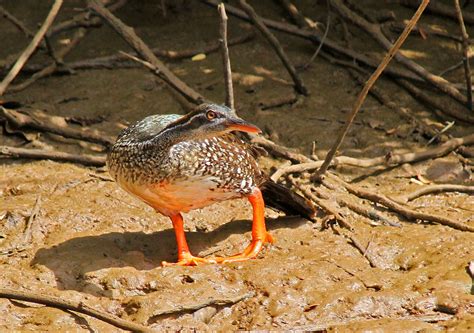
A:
[259,231]
[185,258]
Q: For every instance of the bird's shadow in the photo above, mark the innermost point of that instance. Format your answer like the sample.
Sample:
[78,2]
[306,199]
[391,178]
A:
[71,260]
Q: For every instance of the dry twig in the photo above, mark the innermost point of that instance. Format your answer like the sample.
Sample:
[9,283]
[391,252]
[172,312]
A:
[229,88]
[259,23]
[300,20]
[16,22]
[370,82]
[76,306]
[316,38]
[29,223]
[20,120]
[405,112]
[58,62]
[465,50]
[400,209]
[374,30]
[31,47]
[389,160]
[435,189]
[42,154]
[451,109]
[437,7]
[129,35]
[279,150]
[306,190]
[121,61]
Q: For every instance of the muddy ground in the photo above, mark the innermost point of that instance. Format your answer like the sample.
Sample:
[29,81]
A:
[91,241]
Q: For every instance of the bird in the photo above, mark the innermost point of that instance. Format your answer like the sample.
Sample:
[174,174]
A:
[178,163]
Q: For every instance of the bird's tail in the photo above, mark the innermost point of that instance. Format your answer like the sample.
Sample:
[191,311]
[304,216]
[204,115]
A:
[279,197]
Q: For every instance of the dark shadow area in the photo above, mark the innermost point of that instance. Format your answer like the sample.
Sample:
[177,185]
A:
[74,258]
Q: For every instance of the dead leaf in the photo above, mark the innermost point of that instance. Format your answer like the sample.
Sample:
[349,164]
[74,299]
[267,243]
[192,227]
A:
[199,57]
[246,79]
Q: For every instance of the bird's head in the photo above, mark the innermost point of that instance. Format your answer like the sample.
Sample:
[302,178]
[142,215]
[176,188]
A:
[209,120]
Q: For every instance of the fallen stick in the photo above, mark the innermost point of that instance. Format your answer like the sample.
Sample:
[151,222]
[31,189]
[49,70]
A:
[199,305]
[323,39]
[16,22]
[76,306]
[58,62]
[430,189]
[389,160]
[306,191]
[29,223]
[316,39]
[358,245]
[422,30]
[465,50]
[229,88]
[298,18]
[451,109]
[439,8]
[399,208]
[129,35]
[392,52]
[121,61]
[31,47]
[20,120]
[259,23]
[42,154]
[290,99]
[376,33]
[85,19]
[383,99]
[279,150]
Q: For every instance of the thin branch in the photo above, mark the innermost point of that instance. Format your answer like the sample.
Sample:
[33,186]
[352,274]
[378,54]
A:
[430,189]
[229,88]
[316,38]
[405,112]
[389,159]
[58,62]
[31,47]
[279,150]
[42,154]
[76,306]
[326,31]
[129,35]
[437,7]
[401,209]
[363,94]
[451,109]
[121,61]
[29,223]
[259,23]
[16,22]
[465,50]
[46,124]
[306,190]
[374,30]
[295,15]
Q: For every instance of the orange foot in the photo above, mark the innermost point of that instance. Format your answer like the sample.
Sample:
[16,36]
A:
[187,259]
[250,252]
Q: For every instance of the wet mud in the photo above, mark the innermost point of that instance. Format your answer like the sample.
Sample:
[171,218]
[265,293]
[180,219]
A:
[91,241]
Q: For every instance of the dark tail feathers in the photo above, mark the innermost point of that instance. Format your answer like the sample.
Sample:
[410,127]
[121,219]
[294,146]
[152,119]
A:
[279,197]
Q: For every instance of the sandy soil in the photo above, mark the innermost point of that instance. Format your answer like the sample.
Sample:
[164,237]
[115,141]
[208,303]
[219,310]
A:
[90,241]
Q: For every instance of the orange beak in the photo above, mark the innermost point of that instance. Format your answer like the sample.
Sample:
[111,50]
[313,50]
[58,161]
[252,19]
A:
[242,126]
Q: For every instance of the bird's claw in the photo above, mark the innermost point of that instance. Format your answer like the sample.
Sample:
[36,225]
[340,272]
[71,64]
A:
[189,260]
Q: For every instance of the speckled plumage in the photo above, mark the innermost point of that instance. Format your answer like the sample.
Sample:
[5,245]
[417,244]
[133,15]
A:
[173,172]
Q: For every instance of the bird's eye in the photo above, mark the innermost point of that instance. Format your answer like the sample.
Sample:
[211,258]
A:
[211,115]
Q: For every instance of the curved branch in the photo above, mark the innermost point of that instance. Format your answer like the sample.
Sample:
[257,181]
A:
[76,306]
